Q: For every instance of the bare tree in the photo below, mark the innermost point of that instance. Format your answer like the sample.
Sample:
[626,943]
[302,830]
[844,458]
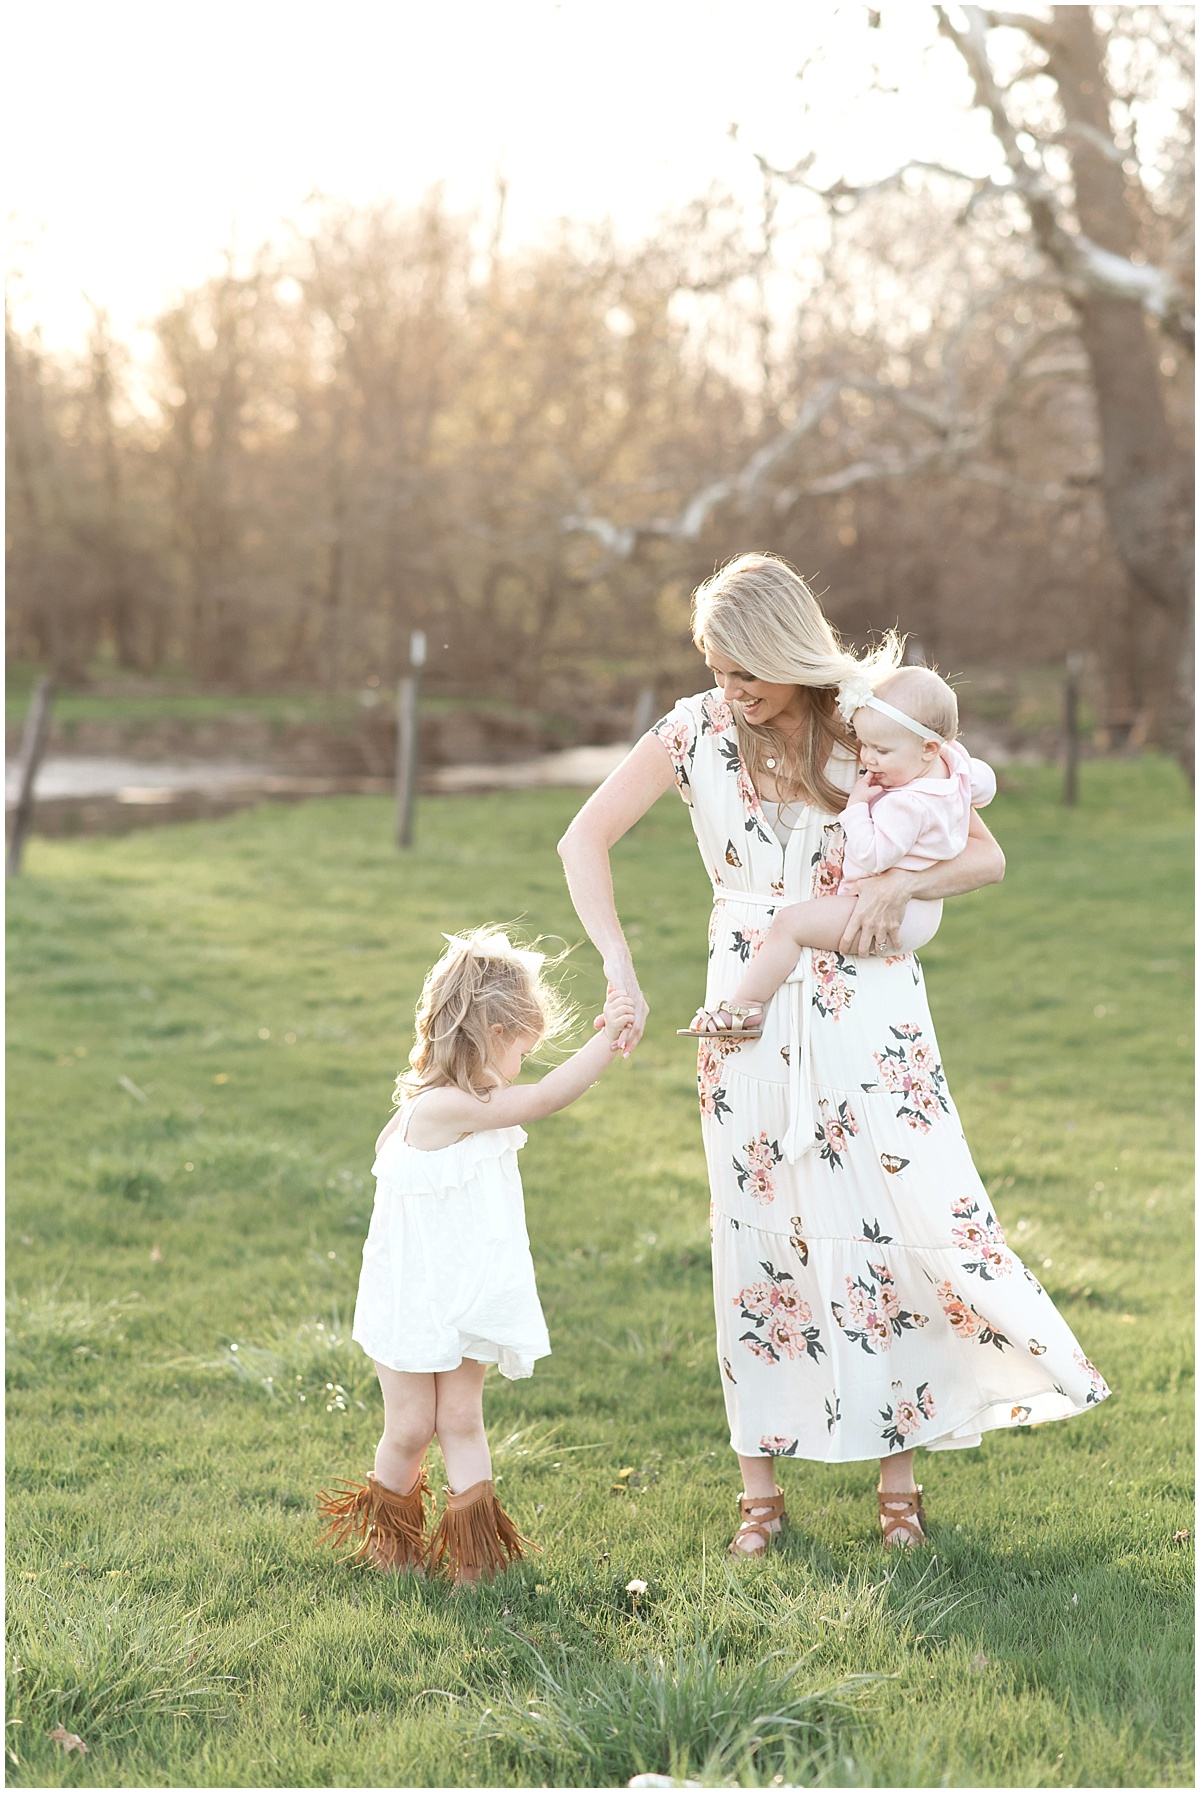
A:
[1094,225]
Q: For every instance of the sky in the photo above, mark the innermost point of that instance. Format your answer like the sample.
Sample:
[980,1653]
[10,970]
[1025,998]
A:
[140,140]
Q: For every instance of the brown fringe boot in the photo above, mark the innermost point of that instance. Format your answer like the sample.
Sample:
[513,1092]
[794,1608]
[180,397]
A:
[475,1538]
[390,1526]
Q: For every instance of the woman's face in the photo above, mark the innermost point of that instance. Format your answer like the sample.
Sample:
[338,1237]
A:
[758,700]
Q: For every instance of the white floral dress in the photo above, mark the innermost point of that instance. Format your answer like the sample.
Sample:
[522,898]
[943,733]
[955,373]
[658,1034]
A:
[866,1298]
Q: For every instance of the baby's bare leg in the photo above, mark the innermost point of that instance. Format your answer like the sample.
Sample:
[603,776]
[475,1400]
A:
[820,923]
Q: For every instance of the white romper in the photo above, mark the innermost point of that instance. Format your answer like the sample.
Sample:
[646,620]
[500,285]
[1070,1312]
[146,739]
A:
[446,1270]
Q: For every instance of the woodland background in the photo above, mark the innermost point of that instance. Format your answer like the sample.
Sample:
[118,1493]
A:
[961,404]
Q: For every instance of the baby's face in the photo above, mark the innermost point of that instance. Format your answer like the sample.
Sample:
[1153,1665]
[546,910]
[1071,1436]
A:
[892,754]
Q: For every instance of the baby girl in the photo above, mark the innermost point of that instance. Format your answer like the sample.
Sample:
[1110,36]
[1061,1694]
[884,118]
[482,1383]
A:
[910,807]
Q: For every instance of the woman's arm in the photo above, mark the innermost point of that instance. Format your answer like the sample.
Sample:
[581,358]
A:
[626,794]
[882,900]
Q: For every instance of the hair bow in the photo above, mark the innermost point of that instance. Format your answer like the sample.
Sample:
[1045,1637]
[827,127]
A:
[852,694]
[492,944]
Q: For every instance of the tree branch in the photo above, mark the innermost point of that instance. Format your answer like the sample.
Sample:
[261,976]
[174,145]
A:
[1082,265]
[957,438]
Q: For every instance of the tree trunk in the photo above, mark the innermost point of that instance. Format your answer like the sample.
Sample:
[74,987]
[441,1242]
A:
[1146,477]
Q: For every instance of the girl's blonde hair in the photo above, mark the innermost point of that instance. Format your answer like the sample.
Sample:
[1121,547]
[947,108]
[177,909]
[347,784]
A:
[481,981]
[758,612]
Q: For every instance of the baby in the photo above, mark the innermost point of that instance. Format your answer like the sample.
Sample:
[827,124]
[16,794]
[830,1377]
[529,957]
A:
[911,807]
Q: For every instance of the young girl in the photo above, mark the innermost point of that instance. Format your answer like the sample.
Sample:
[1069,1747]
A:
[910,808]
[447,1283]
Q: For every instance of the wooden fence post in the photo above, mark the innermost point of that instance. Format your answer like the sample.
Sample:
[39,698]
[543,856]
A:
[408,739]
[643,713]
[1071,730]
[33,746]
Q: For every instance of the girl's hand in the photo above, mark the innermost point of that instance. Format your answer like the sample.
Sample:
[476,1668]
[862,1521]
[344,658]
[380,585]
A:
[619,1015]
[874,926]
[623,982]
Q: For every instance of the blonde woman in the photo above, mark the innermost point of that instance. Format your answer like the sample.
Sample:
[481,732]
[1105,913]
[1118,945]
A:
[866,1300]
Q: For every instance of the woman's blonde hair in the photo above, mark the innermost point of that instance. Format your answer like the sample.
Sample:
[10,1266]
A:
[481,981]
[758,612]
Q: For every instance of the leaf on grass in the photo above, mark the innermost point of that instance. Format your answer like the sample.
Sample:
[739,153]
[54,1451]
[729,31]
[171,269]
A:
[978,1663]
[68,1740]
[156,1254]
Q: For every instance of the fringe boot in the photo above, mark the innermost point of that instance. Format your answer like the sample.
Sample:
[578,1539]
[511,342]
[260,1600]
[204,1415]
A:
[475,1538]
[390,1526]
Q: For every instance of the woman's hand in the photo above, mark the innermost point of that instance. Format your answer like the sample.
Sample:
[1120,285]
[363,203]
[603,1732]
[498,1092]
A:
[874,927]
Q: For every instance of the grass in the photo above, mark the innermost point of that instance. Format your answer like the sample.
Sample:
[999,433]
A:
[137,703]
[183,1259]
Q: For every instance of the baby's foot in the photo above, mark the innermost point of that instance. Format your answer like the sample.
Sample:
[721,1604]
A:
[743,1021]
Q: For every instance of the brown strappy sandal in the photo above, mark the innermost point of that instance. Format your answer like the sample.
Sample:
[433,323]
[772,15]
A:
[757,1513]
[747,1022]
[902,1512]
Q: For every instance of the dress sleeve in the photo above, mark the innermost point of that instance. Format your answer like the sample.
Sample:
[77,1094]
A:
[678,731]
[983,783]
[879,834]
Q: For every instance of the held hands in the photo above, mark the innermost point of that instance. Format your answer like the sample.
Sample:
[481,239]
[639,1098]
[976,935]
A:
[620,1013]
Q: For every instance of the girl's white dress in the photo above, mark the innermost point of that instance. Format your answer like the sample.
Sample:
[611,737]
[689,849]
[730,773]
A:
[446,1270]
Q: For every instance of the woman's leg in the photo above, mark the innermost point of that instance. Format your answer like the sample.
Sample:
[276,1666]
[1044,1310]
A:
[459,1425]
[409,1405]
[758,1482]
[896,1477]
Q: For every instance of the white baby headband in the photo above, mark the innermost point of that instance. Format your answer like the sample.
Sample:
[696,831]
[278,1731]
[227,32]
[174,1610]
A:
[918,728]
[855,693]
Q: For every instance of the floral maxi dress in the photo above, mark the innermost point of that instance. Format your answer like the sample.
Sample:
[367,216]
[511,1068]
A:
[866,1298]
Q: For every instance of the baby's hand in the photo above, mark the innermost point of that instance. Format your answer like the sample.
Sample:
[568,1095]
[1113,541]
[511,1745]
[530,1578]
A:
[862,787]
[619,1013]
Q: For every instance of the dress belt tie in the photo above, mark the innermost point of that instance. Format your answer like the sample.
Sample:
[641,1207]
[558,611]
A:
[801,1135]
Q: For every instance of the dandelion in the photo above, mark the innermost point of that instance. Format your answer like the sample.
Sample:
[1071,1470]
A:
[635,1587]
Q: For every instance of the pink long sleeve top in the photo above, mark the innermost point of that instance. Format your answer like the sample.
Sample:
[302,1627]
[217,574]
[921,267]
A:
[917,825]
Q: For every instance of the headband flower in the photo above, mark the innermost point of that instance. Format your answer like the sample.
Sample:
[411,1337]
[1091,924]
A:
[852,693]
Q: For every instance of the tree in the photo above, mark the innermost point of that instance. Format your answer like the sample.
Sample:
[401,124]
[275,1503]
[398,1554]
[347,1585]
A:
[1075,252]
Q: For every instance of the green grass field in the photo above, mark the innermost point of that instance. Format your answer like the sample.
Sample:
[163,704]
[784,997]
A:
[204,1026]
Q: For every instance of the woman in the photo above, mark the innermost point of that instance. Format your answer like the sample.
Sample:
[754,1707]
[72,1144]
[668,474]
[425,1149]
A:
[866,1299]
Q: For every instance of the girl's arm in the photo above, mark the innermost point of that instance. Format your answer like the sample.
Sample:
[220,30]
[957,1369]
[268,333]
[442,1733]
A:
[446,1114]
[387,1131]
[626,794]
[882,900]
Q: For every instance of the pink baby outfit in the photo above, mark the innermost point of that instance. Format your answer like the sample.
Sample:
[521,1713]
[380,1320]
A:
[915,826]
